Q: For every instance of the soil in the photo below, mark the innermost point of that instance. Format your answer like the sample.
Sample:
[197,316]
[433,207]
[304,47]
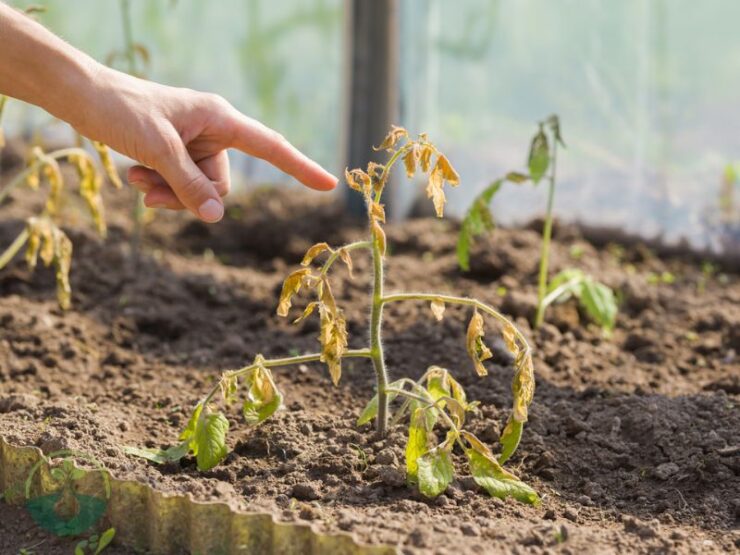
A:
[633,440]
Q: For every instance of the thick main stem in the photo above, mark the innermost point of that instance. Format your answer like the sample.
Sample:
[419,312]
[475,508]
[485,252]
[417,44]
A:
[546,236]
[376,345]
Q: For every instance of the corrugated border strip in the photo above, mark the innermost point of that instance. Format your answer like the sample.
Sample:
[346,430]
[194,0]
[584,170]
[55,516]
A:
[161,523]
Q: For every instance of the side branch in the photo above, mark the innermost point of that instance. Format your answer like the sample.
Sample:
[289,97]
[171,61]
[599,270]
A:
[465,301]
[336,254]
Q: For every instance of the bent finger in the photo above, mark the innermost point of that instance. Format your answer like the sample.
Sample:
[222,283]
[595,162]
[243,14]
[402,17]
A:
[162,197]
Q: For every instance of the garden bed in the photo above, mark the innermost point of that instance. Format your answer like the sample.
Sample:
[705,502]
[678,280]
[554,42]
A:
[632,441]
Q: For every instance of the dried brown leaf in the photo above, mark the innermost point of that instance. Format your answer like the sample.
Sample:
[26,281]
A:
[291,286]
[476,348]
[313,252]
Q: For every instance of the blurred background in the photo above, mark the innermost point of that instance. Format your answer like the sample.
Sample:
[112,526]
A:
[646,91]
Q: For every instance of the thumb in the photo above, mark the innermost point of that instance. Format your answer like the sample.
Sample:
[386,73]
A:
[191,186]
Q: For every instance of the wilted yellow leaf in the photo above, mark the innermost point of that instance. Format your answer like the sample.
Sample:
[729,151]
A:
[313,252]
[509,334]
[438,309]
[326,296]
[448,172]
[379,236]
[347,259]
[306,312]
[333,338]
[54,175]
[523,386]
[108,165]
[62,263]
[229,385]
[90,190]
[392,138]
[411,158]
[476,348]
[435,192]
[291,286]
[425,157]
[377,211]
[359,181]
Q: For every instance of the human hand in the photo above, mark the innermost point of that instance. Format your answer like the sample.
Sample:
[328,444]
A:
[180,137]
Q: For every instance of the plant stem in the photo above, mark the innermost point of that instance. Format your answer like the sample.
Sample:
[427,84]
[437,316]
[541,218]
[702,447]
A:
[376,345]
[13,249]
[349,247]
[546,236]
[460,301]
[287,361]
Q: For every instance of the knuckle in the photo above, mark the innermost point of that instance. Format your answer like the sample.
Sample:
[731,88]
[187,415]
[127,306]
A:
[192,188]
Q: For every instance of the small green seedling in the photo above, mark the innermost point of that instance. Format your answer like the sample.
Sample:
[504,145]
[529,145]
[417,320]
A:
[596,299]
[42,234]
[436,402]
[95,544]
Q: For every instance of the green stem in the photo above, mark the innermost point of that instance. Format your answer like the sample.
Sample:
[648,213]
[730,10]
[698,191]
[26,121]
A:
[350,247]
[546,236]
[376,345]
[466,301]
[13,249]
[553,295]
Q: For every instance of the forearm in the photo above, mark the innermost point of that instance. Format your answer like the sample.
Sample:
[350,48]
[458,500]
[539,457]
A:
[40,68]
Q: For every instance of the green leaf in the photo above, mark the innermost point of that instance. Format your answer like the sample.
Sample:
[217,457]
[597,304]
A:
[189,431]
[263,398]
[210,439]
[498,482]
[80,547]
[539,156]
[371,409]
[438,385]
[434,472]
[418,442]
[159,456]
[571,276]
[599,302]
[105,539]
[477,220]
[509,439]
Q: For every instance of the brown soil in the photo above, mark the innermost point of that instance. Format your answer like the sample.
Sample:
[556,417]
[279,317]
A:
[632,441]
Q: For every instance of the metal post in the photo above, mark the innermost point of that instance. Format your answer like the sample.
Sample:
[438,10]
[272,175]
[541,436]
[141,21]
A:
[372,91]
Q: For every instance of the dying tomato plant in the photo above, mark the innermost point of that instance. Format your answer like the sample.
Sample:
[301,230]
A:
[436,402]
[595,298]
[42,234]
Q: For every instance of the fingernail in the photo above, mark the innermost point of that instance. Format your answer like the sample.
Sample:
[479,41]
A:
[211,210]
[141,185]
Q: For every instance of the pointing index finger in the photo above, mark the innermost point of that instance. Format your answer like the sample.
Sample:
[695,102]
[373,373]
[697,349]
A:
[256,139]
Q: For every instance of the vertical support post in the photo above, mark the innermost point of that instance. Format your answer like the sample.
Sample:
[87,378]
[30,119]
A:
[372,91]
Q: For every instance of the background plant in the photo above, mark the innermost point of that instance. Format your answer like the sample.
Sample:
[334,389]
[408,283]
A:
[595,298]
[42,233]
[434,403]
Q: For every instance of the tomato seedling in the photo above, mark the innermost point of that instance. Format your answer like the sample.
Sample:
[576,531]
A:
[436,401]
[595,298]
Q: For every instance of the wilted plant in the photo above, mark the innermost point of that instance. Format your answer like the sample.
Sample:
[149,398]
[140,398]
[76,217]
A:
[595,298]
[434,402]
[42,234]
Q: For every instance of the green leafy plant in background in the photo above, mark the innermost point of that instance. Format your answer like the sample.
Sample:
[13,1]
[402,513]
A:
[42,234]
[95,544]
[436,402]
[596,299]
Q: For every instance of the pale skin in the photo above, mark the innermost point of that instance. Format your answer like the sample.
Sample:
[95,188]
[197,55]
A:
[179,137]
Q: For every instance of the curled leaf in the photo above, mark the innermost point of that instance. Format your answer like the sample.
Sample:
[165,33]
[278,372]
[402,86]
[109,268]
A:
[90,190]
[379,237]
[510,339]
[333,338]
[438,309]
[346,257]
[425,157]
[435,191]
[62,264]
[313,252]
[447,171]
[411,159]
[263,397]
[310,307]
[34,163]
[53,175]
[359,181]
[108,165]
[394,135]
[229,385]
[291,286]
[376,212]
[522,386]
[476,348]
